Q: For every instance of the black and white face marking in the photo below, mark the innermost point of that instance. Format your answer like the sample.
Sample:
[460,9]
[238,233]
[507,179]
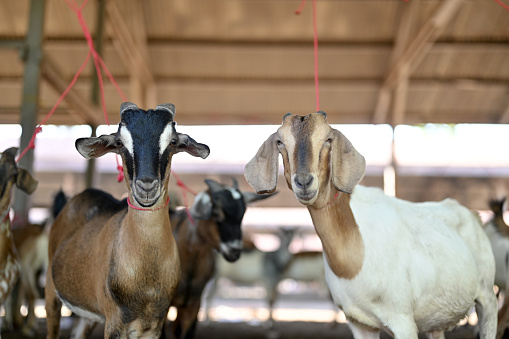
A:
[229,209]
[147,138]
[226,206]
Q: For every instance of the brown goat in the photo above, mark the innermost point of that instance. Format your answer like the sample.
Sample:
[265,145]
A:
[217,216]
[117,264]
[10,174]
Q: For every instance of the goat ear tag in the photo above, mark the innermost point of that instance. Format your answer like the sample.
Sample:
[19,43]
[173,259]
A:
[96,147]
[25,181]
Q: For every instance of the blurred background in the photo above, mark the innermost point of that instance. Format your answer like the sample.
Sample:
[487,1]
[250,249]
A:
[420,87]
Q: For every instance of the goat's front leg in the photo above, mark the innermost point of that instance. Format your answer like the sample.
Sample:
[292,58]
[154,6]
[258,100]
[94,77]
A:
[83,328]
[53,308]
[361,331]
[185,324]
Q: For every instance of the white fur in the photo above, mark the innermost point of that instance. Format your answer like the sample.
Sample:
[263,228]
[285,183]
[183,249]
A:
[127,139]
[425,265]
[165,138]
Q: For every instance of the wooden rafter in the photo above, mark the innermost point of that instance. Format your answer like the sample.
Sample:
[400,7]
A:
[132,47]
[82,110]
[414,54]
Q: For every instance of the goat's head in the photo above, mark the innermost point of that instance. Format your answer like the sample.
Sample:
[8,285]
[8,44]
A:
[314,155]
[146,141]
[11,174]
[225,205]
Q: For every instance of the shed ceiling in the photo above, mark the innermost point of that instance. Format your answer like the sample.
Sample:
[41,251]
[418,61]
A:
[251,61]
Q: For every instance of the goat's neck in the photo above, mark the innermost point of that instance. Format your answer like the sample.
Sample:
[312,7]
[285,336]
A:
[341,239]
[6,240]
[143,231]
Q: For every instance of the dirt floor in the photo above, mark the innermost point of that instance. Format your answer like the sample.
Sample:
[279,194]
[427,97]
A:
[281,330]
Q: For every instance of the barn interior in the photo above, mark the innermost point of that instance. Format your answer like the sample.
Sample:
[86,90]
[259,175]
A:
[420,87]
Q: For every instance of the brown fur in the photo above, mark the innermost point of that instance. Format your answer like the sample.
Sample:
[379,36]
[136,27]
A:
[197,259]
[137,250]
[340,236]
[308,145]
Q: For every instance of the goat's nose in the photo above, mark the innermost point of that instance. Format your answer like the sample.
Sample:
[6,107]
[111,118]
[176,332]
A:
[303,181]
[146,184]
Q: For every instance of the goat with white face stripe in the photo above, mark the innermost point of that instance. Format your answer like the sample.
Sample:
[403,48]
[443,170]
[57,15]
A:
[117,264]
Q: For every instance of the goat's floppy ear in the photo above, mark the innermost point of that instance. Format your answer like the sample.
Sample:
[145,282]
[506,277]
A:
[25,181]
[189,145]
[348,165]
[202,207]
[261,172]
[95,147]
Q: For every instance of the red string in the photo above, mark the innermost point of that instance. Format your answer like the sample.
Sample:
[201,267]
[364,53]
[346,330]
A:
[315,49]
[99,67]
[38,129]
[502,4]
[184,188]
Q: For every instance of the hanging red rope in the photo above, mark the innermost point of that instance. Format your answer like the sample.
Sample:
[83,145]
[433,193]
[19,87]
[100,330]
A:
[315,49]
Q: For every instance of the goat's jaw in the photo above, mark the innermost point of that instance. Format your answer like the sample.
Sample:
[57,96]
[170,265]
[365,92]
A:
[231,250]
[146,198]
[306,196]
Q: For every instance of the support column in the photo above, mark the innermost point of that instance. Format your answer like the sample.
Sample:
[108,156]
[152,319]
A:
[95,93]
[29,105]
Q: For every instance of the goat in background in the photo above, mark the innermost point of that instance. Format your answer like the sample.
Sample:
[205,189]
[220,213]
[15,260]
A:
[256,267]
[117,261]
[217,215]
[390,265]
[10,175]
[31,240]
[498,233]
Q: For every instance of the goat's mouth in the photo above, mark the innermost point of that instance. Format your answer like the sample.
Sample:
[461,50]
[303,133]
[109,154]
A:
[306,197]
[229,252]
[146,199]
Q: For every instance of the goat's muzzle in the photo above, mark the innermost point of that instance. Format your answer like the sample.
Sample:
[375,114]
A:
[230,251]
[146,191]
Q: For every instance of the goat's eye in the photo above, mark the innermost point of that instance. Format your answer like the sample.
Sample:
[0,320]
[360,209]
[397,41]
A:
[173,142]
[278,142]
[329,140]
[118,143]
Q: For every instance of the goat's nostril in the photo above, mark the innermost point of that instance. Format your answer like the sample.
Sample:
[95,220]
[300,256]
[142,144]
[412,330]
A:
[303,181]
[146,184]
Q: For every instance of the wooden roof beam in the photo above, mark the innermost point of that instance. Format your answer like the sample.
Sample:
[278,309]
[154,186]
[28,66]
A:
[414,54]
[133,49]
[82,110]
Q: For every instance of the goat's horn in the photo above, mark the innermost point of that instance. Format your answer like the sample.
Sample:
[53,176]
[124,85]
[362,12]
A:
[127,106]
[287,114]
[167,107]
[323,113]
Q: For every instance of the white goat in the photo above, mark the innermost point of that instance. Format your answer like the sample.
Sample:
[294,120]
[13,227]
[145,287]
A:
[390,264]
